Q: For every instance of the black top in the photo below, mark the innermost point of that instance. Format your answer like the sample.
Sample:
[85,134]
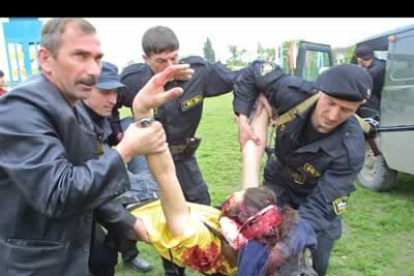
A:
[316,170]
[180,116]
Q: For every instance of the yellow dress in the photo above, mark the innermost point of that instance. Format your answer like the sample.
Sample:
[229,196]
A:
[197,248]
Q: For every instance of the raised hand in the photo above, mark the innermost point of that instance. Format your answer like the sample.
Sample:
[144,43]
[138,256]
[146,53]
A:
[153,94]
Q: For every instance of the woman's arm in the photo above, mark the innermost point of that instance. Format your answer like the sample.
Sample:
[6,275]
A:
[161,164]
[252,152]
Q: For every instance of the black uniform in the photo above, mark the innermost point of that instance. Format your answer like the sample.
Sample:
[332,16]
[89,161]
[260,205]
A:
[377,72]
[181,116]
[310,171]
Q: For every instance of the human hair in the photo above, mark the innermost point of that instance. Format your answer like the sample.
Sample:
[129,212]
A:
[1,73]
[240,208]
[159,39]
[52,31]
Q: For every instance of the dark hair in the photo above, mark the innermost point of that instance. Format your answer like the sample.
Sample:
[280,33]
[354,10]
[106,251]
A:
[253,201]
[53,29]
[159,39]
[1,73]
[364,52]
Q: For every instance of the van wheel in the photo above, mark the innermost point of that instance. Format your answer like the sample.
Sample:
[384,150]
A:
[376,175]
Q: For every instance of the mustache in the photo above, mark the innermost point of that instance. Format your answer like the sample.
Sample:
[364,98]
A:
[87,81]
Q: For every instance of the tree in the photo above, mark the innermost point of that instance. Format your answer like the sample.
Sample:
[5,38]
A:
[265,53]
[236,59]
[260,51]
[208,51]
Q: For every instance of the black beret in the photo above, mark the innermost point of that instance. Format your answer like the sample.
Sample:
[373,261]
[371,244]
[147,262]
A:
[364,52]
[346,81]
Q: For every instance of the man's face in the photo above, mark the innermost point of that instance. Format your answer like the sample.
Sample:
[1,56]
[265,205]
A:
[364,62]
[101,102]
[76,67]
[158,62]
[330,112]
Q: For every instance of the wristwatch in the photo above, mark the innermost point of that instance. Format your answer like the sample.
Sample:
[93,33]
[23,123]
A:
[144,122]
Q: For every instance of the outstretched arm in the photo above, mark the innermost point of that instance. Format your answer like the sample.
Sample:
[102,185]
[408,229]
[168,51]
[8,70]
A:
[161,164]
[252,152]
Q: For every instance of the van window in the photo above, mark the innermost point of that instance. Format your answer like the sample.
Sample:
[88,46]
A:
[314,62]
[402,60]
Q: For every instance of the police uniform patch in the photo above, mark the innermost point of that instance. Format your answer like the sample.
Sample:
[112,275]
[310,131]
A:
[266,68]
[187,104]
[340,205]
[311,170]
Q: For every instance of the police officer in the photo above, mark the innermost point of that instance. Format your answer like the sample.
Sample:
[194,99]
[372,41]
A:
[376,68]
[181,116]
[97,109]
[319,150]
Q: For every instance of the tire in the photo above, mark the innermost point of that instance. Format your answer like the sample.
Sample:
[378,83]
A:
[376,175]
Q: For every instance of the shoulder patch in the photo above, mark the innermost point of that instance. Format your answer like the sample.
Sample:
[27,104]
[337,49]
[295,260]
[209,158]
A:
[311,170]
[266,68]
[340,205]
[187,104]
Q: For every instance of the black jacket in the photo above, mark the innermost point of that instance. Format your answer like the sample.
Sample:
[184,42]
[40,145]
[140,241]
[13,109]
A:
[111,214]
[50,183]
[377,72]
[180,116]
[317,177]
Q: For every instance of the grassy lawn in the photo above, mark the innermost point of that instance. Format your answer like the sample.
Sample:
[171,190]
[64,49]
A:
[378,230]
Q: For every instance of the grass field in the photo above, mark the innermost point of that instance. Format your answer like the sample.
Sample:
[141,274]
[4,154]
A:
[378,230]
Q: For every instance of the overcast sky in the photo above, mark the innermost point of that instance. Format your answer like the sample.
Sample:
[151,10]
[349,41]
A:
[121,37]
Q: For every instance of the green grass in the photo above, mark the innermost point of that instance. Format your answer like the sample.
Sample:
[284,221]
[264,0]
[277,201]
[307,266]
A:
[378,230]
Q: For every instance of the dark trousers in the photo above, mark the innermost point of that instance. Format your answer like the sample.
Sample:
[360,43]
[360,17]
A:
[171,269]
[191,180]
[322,253]
[122,244]
[102,259]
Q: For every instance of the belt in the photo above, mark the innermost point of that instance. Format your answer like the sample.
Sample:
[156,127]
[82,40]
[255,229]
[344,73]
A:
[141,202]
[297,177]
[188,148]
[177,149]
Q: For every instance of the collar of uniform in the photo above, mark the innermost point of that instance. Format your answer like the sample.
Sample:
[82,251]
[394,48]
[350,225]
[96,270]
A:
[329,144]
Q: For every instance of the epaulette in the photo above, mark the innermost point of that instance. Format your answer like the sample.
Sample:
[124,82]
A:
[132,69]
[194,60]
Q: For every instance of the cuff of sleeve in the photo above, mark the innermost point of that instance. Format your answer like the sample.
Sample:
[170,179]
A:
[129,220]
[242,107]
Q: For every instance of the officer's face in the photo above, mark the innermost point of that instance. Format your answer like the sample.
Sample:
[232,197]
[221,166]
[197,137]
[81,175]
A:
[364,62]
[331,112]
[77,65]
[101,102]
[158,62]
